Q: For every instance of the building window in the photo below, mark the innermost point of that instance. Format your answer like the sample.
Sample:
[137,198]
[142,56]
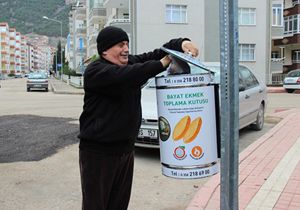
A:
[277,14]
[247,52]
[296,56]
[275,54]
[247,16]
[291,24]
[176,13]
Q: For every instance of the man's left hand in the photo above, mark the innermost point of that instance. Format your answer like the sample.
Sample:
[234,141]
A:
[190,48]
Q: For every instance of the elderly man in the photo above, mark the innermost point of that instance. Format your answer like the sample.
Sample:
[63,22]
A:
[111,116]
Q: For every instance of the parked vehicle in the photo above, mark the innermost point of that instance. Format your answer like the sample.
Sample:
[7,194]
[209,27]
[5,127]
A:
[37,81]
[18,75]
[252,104]
[292,81]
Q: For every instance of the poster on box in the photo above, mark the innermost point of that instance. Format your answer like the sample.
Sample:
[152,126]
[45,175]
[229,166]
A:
[187,127]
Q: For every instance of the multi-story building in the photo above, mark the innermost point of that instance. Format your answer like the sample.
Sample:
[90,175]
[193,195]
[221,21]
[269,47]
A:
[77,22]
[286,45]
[12,51]
[198,20]
[18,53]
[4,50]
[118,16]
[24,55]
[96,19]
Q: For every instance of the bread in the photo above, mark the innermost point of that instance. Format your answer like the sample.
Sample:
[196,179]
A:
[181,128]
[193,130]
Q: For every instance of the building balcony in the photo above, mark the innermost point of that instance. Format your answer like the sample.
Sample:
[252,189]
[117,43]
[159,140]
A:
[120,23]
[277,32]
[5,70]
[292,10]
[4,43]
[116,4]
[277,65]
[97,15]
[81,30]
[4,62]
[80,14]
[288,40]
[288,68]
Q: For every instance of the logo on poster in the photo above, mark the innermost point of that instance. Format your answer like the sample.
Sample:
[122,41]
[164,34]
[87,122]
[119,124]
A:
[179,153]
[197,153]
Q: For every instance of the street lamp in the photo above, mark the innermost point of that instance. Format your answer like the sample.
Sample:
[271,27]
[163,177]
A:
[61,57]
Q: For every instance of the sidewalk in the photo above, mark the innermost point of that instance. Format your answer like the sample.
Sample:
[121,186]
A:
[60,87]
[269,170]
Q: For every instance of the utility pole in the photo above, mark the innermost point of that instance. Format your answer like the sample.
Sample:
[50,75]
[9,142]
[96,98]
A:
[229,104]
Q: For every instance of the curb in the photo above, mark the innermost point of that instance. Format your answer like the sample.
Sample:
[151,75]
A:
[55,91]
[276,90]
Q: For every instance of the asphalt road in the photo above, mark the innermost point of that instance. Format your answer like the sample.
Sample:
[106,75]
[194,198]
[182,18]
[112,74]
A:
[33,138]
[39,155]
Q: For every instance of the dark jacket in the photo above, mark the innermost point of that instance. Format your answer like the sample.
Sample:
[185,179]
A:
[111,115]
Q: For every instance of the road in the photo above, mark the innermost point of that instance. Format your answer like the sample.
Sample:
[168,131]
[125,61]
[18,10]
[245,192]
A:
[39,154]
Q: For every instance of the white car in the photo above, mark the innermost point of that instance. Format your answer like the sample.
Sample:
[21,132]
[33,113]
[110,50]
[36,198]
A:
[252,104]
[292,81]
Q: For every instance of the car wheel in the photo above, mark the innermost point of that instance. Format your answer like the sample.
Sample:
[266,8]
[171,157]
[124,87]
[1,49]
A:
[28,89]
[260,119]
[46,89]
[290,90]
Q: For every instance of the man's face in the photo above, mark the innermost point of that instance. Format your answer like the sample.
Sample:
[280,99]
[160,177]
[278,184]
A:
[117,54]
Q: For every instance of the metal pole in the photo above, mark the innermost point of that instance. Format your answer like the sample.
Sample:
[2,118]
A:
[56,72]
[229,104]
[132,17]
[61,63]
[61,54]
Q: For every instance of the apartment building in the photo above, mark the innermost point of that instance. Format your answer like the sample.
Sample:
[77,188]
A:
[197,19]
[12,46]
[24,55]
[96,19]
[78,30]
[286,45]
[4,49]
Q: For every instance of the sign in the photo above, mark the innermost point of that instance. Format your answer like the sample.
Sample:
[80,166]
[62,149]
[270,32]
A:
[187,126]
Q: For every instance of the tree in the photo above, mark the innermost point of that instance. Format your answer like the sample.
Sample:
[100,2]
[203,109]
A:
[57,58]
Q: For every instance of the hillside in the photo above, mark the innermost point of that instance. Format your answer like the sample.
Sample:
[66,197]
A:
[27,16]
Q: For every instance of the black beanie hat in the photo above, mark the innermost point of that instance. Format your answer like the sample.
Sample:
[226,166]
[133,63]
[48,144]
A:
[109,36]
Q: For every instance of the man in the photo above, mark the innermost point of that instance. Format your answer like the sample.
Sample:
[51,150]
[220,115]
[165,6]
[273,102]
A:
[111,116]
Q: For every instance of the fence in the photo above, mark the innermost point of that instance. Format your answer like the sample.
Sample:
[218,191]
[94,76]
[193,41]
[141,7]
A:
[76,81]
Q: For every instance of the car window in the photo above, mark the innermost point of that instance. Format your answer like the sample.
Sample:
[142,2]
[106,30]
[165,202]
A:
[294,74]
[37,76]
[247,78]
